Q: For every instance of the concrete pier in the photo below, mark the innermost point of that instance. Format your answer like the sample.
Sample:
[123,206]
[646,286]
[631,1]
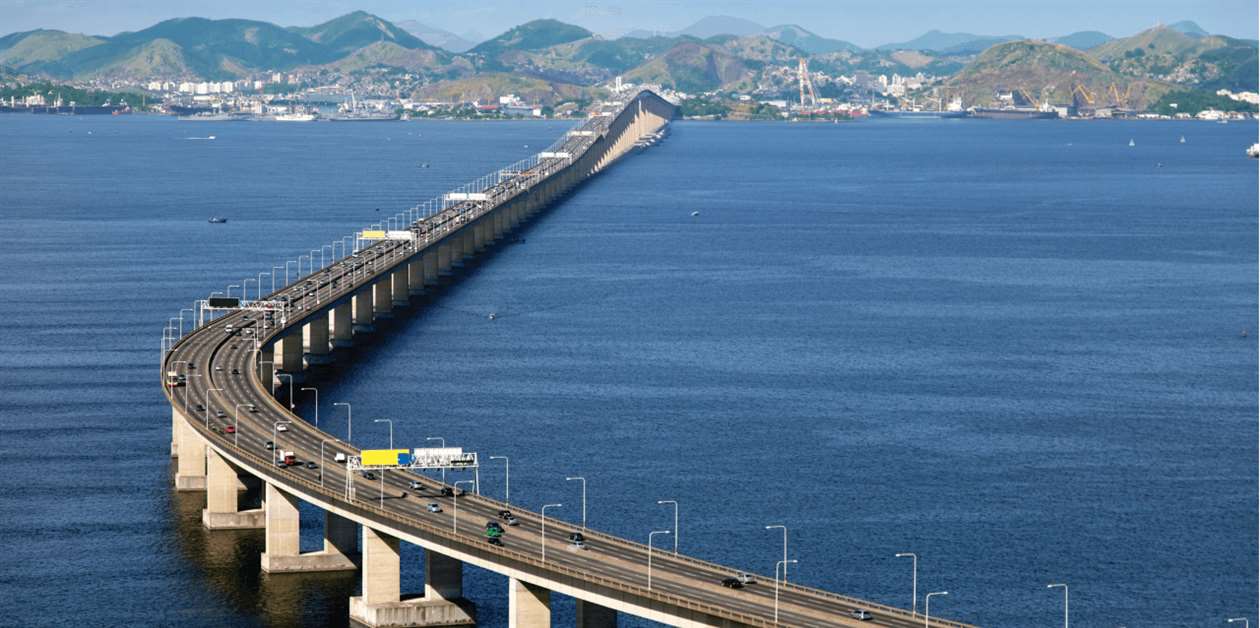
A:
[343,326]
[288,356]
[401,287]
[382,603]
[415,276]
[315,335]
[190,467]
[529,606]
[383,299]
[430,268]
[283,552]
[223,489]
[364,316]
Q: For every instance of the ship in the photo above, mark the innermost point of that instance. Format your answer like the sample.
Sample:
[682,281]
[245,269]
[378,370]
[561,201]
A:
[355,113]
[217,220]
[915,113]
[1253,151]
[1014,113]
[294,117]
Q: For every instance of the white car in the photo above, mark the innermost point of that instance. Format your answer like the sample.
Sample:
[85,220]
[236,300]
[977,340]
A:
[282,428]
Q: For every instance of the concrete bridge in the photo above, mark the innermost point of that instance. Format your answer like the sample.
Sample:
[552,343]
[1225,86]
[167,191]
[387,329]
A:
[226,412]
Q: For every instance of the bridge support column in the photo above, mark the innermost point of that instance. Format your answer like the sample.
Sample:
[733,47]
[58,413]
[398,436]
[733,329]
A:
[363,314]
[316,340]
[431,267]
[444,258]
[223,487]
[175,421]
[383,298]
[401,287]
[190,470]
[289,356]
[479,236]
[466,237]
[529,606]
[592,615]
[415,276]
[496,219]
[382,603]
[283,552]
[342,326]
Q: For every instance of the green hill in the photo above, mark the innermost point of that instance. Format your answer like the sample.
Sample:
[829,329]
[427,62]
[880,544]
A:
[691,66]
[356,30]
[1168,54]
[534,35]
[798,37]
[31,49]
[1049,72]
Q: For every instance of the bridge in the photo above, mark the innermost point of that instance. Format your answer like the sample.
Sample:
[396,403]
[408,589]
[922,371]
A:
[222,380]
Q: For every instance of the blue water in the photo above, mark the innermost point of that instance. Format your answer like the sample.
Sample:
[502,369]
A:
[1015,348]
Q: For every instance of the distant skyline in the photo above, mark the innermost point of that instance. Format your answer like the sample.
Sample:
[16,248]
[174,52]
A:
[865,23]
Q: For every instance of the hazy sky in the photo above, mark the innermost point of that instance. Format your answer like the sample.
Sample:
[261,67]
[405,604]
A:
[864,22]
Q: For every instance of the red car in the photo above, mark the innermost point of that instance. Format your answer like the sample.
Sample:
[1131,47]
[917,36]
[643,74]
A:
[231,429]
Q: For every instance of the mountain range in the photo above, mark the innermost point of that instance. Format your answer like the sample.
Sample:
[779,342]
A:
[554,59]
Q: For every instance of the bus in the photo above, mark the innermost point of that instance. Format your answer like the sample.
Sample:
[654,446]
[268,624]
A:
[174,379]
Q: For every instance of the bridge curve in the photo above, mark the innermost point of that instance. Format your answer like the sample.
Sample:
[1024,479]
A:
[234,362]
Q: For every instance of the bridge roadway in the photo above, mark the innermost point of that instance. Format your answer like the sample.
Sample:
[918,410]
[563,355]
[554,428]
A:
[609,562]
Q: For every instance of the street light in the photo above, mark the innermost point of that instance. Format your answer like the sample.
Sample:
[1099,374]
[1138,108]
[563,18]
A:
[455,505]
[349,419]
[583,481]
[229,289]
[676,535]
[1065,599]
[208,391]
[650,535]
[442,444]
[914,580]
[785,544]
[927,606]
[543,534]
[1246,624]
[507,478]
[391,429]
[275,448]
[783,563]
[305,388]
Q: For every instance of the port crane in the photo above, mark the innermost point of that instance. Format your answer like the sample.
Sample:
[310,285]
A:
[806,84]
[1119,100]
[1081,94]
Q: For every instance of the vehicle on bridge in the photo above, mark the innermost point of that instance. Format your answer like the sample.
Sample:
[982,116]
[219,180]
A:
[174,379]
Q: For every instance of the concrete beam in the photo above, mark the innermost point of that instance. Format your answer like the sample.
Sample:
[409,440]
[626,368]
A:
[529,606]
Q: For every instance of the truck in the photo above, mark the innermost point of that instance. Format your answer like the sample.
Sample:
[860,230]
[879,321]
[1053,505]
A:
[289,458]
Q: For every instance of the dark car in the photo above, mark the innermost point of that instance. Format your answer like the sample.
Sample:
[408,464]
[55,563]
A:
[449,492]
[369,475]
[236,371]
[494,540]
[201,408]
[576,537]
[732,583]
[270,445]
[310,464]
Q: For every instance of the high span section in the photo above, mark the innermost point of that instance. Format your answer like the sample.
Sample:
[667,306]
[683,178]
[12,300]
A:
[229,430]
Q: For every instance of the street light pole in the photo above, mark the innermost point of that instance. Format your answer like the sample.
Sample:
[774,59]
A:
[290,376]
[349,419]
[507,478]
[391,429]
[1246,624]
[927,606]
[305,388]
[676,534]
[583,481]
[785,545]
[650,535]
[543,534]
[1065,599]
[783,563]
[914,580]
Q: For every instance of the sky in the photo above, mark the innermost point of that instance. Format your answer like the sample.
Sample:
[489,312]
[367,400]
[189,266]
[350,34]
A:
[864,22]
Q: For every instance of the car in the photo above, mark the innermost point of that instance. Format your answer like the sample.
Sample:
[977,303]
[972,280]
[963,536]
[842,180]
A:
[192,367]
[236,371]
[270,445]
[201,408]
[252,408]
[745,577]
[340,457]
[218,368]
[282,428]
[494,540]
[368,475]
[732,583]
[310,464]
[449,492]
[282,464]
[504,514]
[861,614]
[577,537]
[511,520]
[433,507]
[221,414]
[415,486]
[231,429]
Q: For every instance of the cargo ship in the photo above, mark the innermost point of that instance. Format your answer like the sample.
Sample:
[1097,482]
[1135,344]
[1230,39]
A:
[69,110]
[915,113]
[1014,113]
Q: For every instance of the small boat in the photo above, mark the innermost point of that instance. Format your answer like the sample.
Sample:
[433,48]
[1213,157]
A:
[1254,151]
[217,220]
[694,214]
[1131,143]
[492,316]
[1182,140]
[424,164]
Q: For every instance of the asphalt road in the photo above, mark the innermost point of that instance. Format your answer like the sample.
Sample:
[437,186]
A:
[215,354]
